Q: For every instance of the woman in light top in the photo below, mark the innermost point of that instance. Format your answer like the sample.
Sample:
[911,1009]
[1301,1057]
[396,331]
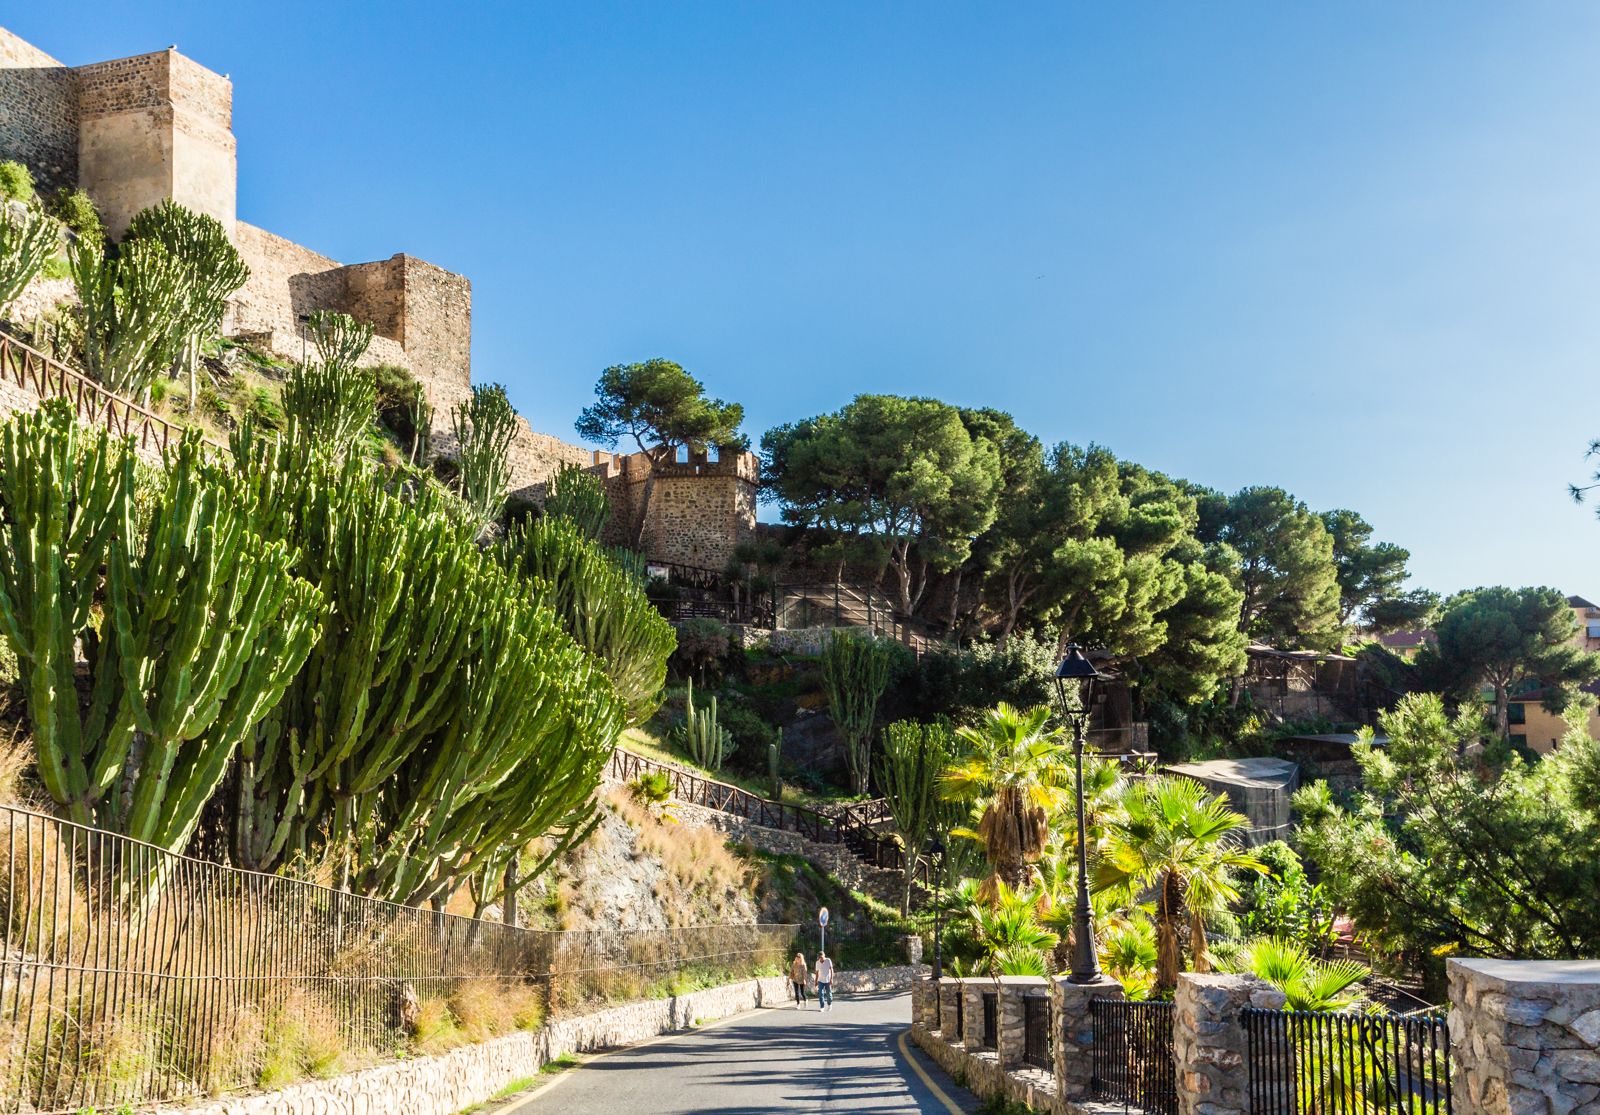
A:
[797,979]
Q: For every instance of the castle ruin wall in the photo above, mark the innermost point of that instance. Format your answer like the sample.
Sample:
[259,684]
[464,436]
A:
[38,113]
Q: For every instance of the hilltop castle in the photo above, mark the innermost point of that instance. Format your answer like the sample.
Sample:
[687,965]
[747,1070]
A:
[135,131]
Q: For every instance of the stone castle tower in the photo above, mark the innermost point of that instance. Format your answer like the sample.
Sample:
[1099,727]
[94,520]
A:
[135,131]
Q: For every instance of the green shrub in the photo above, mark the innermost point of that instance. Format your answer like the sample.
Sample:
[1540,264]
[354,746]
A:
[264,407]
[212,403]
[963,684]
[15,181]
[74,209]
[751,733]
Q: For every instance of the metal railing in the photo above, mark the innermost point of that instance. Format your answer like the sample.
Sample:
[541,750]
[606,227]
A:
[1325,1063]
[991,1020]
[1037,1041]
[94,405]
[1131,1056]
[131,975]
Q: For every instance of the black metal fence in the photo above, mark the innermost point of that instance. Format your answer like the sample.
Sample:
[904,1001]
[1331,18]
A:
[1313,1063]
[991,1020]
[1037,1043]
[131,975]
[1131,1056]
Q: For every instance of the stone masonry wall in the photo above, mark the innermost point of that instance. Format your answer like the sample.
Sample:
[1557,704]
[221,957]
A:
[438,334]
[699,509]
[285,280]
[38,116]
[534,459]
[1208,1040]
[151,127]
[1525,1036]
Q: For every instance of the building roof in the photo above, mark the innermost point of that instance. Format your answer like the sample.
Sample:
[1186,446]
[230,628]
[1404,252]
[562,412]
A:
[1415,638]
[1261,650]
[1579,602]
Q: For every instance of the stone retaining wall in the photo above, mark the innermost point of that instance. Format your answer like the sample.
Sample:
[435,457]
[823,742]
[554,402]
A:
[450,1082]
[1525,1036]
[980,1073]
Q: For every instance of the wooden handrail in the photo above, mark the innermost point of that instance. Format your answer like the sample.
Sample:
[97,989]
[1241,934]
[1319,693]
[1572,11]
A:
[849,824]
[94,405]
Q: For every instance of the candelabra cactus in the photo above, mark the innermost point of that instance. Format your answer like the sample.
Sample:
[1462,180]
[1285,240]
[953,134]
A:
[708,742]
[203,624]
[27,241]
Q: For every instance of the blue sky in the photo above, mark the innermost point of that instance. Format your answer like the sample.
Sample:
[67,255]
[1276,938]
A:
[1349,249]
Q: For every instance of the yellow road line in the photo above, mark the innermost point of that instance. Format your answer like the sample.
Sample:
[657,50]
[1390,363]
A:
[949,1103]
[518,1107]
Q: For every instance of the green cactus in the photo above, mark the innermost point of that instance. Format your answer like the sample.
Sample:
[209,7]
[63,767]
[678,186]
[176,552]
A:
[774,780]
[577,495]
[483,430]
[212,270]
[127,308]
[445,718]
[28,240]
[203,624]
[709,744]
[600,604]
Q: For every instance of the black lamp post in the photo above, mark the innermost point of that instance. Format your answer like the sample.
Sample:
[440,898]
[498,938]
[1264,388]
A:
[1076,670]
[934,847]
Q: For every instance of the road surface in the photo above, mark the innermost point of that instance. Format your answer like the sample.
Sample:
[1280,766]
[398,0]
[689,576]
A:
[848,1059]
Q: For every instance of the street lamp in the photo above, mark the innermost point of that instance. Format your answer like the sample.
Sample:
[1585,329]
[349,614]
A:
[1079,672]
[934,847]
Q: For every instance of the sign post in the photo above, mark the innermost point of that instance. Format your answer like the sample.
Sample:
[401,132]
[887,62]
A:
[822,925]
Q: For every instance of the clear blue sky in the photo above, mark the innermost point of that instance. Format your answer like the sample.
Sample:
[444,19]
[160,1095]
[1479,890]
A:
[1347,249]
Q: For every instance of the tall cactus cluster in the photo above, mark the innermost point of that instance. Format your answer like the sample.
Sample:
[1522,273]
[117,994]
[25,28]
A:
[311,657]
[708,742]
[332,400]
[202,624]
[445,712]
[600,604]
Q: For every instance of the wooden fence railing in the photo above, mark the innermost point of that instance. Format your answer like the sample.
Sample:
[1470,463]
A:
[850,824]
[625,766]
[94,405]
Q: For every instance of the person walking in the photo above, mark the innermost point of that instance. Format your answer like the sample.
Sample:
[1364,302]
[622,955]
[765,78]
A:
[797,979]
[824,982]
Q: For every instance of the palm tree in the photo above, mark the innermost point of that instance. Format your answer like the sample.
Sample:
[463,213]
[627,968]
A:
[1014,943]
[1128,954]
[1170,836]
[1103,787]
[1309,983]
[1017,775]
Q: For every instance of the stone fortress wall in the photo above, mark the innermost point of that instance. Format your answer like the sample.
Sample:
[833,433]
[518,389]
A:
[134,131]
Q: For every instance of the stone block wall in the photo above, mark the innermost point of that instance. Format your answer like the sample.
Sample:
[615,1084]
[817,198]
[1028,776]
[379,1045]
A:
[534,459]
[38,115]
[699,509]
[1074,1030]
[1209,1042]
[1525,1037]
[151,127]
[285,280]
[989,1072]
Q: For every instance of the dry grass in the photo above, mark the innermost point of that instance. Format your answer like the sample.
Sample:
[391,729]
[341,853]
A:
[16,758]
[477,1010]
[707,873]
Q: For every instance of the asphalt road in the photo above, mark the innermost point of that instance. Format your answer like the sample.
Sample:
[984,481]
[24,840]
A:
[775,1059]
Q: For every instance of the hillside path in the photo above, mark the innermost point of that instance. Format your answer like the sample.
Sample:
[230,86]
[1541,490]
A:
[848,1059]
